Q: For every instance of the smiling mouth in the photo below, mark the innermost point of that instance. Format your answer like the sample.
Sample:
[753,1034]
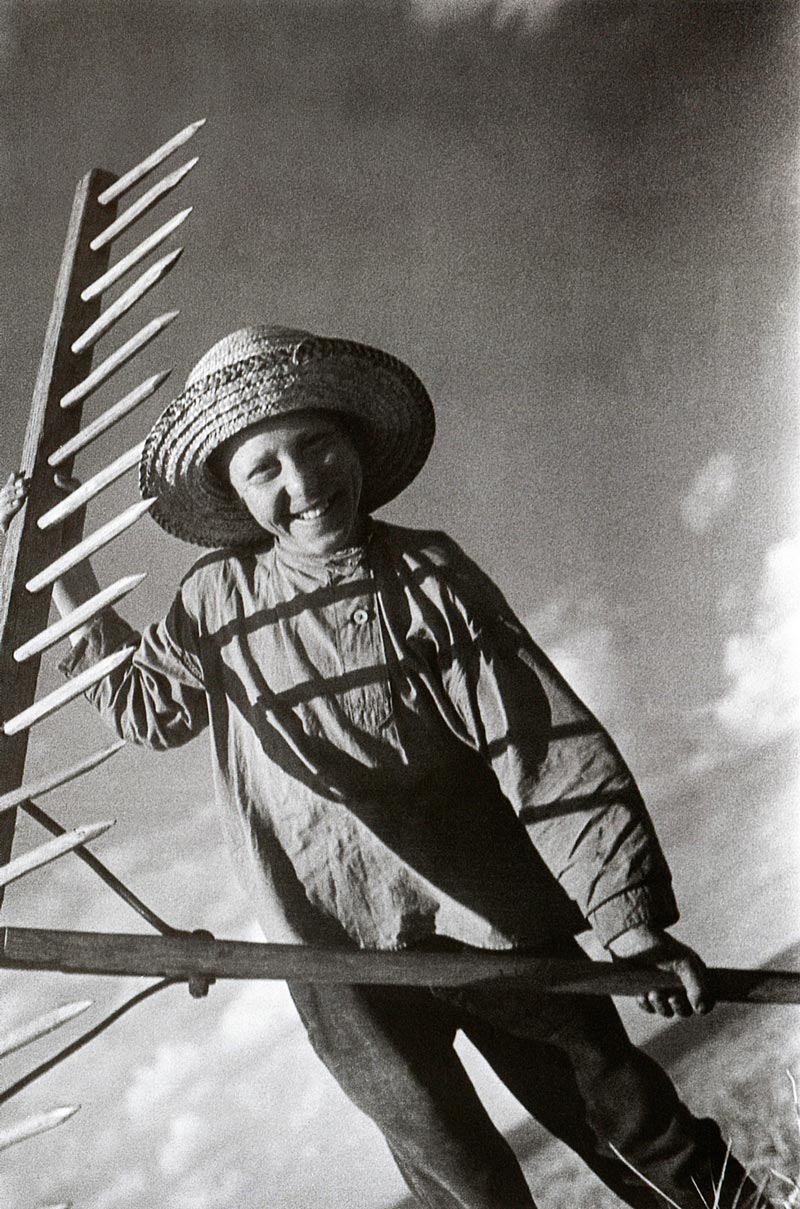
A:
[316,511]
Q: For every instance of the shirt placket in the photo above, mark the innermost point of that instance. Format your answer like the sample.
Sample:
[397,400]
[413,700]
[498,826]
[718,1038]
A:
[367,701]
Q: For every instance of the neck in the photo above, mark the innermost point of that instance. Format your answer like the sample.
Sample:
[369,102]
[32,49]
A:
[289,552]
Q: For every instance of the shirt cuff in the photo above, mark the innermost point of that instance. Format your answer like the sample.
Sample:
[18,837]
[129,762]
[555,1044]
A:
[107,633]
[647,903]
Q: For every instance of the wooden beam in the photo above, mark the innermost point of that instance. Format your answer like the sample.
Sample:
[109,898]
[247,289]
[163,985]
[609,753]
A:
[27,548]
[186,956]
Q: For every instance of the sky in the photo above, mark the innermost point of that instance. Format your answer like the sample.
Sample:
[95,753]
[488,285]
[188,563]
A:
[578,223]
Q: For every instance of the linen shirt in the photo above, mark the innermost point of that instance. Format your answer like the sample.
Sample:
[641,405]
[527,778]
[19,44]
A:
[394,758]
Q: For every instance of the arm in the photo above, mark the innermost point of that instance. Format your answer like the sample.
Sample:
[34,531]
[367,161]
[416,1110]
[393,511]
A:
[571,787]
[73,589]
[156,699]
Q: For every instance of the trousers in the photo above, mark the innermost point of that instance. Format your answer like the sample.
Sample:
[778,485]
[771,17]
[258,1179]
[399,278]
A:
[568,1061]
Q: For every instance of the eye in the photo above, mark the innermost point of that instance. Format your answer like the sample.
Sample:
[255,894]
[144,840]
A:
[319,445]
[263,472]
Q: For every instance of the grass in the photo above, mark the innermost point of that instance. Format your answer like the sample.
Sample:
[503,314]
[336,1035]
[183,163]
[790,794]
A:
[775,1187]
[729,1065]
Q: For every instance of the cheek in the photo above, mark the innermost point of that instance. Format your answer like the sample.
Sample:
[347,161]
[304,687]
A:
[260,503]
[346,466]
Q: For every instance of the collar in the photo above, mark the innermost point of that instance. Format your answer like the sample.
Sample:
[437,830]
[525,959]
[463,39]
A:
[339,562]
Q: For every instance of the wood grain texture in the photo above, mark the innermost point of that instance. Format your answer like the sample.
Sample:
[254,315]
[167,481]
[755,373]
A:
[28,549]
[186,956]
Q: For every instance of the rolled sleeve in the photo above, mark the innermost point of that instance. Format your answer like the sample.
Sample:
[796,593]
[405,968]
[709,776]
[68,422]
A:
[651,903]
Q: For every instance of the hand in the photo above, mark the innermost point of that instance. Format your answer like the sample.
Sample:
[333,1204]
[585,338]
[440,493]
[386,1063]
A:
[652,946]
[13,494]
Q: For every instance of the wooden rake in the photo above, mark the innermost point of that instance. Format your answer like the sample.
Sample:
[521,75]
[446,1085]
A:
[44,541]
[47,537]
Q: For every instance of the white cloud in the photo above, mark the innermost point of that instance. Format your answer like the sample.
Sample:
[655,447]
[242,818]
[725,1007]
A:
[175,1067]
[710,494]
[575,635]
[187,1135]
[763,663]
[195,1192]
[126,1188]
[261,1014]
[438,12]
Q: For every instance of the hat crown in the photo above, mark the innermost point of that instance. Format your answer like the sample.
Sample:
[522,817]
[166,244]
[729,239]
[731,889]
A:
[262,340]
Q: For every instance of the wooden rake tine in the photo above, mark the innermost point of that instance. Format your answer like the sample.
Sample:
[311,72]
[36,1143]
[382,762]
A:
[39,1123]
[92,487]
[146,202]
[54,780]
[112,315]
[147,165]
[107,419]
[60,697]
[81,616]
[51,851]
[48,1022]
[90,545]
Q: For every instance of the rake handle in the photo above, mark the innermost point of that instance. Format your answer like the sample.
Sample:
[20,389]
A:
[185,957]
[27,548]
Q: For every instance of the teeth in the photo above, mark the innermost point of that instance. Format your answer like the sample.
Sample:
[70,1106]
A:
[312,514]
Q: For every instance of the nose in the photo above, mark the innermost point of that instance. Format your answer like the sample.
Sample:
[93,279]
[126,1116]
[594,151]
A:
[300,477]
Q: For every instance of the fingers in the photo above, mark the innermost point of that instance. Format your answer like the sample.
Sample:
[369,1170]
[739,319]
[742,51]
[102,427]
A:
[12,496]
[692,973]
[66,483]
[14,492]
[665,1003]
[693,998]
[16,485]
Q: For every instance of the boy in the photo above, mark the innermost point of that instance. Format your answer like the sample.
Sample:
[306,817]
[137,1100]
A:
[399,765]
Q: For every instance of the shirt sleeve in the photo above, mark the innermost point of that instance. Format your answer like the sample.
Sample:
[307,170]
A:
[558,766]
[158,697]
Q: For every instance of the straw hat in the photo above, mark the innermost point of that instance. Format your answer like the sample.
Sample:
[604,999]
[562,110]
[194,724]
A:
[260,372]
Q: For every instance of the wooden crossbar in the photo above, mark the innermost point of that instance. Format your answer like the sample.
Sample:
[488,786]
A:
[186,957]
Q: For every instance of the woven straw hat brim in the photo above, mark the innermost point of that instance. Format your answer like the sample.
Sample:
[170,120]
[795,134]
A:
[393,432]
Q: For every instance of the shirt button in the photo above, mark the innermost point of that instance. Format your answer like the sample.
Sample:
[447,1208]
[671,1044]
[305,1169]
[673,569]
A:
[361,616]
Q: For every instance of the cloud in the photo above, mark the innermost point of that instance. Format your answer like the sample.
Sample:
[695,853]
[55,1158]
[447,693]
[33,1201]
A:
[261,1013]
[710,494]
[187,1135]
[575,634]
[763,663]
[173,1072]
[438,12]
[126,1188]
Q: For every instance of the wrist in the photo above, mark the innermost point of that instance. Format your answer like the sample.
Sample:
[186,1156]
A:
[642,938]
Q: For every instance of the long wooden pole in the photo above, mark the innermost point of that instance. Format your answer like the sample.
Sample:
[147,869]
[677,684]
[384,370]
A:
[187,956]
[28,549]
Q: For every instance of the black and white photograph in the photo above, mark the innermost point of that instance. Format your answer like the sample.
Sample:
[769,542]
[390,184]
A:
[400,604]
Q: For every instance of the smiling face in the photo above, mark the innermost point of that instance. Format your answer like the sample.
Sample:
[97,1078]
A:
[300,477]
